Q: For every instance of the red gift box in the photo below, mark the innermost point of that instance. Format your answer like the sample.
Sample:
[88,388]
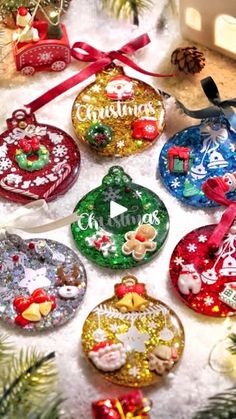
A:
[129,406]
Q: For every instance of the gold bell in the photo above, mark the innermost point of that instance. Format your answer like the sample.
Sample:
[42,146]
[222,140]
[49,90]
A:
[32,313]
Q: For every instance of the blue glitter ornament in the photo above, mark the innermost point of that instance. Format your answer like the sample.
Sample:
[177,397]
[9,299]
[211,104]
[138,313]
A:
[195,154]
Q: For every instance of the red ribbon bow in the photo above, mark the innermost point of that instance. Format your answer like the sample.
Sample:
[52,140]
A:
[99,60]
[29,144]
[213,190]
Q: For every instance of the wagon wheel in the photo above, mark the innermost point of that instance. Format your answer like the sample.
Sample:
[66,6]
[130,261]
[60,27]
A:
[58,65]
[28,70]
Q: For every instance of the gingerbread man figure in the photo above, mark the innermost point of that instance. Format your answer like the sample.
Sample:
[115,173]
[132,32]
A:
[140,241]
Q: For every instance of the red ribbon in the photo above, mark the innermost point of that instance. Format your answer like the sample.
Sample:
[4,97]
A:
[214,191]
[100,60]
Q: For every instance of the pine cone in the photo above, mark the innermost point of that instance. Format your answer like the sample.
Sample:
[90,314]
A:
[188,59]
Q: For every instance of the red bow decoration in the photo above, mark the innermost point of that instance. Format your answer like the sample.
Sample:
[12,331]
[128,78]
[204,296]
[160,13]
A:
[214,190]
[22,303]
[99,60]
[29,144]
[122,289]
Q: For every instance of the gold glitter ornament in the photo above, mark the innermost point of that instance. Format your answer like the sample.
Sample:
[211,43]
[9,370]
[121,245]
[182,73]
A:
[132,339]
[118,115]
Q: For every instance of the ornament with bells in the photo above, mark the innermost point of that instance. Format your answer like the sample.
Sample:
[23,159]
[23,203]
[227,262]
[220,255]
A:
[125,239]
[36,160]
[118,115]
[203,264]
[42,283]
[195,154]
[131,348]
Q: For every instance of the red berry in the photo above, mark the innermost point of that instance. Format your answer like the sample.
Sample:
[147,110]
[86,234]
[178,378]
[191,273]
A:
[25,145]
[127,189]
[15,258]
[31,246]
[35,144]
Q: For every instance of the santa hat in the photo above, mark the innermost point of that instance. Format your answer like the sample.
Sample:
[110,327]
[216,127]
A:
[101,345]
[23,17]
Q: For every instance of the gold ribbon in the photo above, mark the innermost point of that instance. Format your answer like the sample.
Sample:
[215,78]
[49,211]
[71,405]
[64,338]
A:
[24,217]
[139,411]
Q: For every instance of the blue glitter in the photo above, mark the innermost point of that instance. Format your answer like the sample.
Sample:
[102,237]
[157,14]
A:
[212,144]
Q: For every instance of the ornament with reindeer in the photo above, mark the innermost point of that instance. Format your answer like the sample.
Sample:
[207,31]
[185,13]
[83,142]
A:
[42,282]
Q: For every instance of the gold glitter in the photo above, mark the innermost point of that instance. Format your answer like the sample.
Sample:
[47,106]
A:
[146,326]
[96,99]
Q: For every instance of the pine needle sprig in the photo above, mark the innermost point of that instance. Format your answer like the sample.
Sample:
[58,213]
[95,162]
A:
[26,381]
[6,351]
[232,347]
[126,8]
[221,406]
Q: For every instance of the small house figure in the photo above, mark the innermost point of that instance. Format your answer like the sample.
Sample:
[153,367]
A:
[210,23]
[228,295]
[179,159]
[229,266]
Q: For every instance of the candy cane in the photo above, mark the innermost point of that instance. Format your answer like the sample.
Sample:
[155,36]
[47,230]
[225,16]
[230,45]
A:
[66,169]
[17,190]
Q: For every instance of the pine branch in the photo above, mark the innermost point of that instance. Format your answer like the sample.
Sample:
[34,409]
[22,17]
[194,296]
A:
[221,406]
[126,8]
[232,348]
[6,351]
[111,312]
[25,383]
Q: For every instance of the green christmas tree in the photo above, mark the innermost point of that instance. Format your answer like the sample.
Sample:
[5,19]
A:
[27,384]
[10,7]
[127,8]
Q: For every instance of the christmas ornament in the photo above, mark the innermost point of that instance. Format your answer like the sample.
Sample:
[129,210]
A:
[195,154]
[131,404]
[120,224]
[42,282]
[203,264]
[132,352]
[117,115]
[36,160]
[188,60]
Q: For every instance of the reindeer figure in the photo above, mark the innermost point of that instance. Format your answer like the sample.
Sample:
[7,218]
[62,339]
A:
[68,279]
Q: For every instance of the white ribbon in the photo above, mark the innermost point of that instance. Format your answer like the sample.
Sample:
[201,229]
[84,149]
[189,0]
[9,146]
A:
[23,218]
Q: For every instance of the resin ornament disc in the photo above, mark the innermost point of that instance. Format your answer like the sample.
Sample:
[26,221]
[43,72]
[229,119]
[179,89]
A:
[118,115]
[132,339]
[204,280]
[195,154]
[36,160]
[121,224]
[42,282]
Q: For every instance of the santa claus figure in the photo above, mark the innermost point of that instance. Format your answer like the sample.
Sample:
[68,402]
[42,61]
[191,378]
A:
[25,32]
[145,128]
[119,88]
[108,356]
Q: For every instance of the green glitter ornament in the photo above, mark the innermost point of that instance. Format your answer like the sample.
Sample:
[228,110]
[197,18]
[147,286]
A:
[121,224]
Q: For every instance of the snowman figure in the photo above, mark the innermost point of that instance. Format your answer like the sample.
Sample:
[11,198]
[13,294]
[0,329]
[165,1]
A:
[108,356]
[25,31]
[189,280]
[119,88]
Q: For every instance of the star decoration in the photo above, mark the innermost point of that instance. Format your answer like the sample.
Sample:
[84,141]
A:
[96,88]
[134,340]
[35,279]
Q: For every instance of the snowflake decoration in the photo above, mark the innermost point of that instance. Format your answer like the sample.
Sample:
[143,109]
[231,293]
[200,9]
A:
[138,194]
[111,194]
[5,164]
[134,371]
[3,151]
[192,247]
[12,179]
[40,181]
[175,183]
[33,130]
[60,151]
[45,57]
[232,147]
[114,328]
[51,177]
[96,88]
[26,184]
[55,138]
[216,135]
[120,144]
[208,301]
[178,260]
[202,238]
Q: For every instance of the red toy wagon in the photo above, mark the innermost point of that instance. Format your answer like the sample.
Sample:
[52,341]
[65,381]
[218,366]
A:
[45,54]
